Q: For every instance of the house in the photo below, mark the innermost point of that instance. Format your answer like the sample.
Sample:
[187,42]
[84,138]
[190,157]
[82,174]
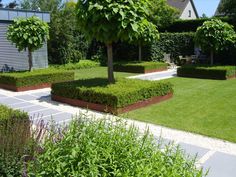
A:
[10,57]
[186,7]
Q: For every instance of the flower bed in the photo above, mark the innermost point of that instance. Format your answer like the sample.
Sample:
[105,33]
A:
[140,67]
[23,81]
[207,72]
[123,96]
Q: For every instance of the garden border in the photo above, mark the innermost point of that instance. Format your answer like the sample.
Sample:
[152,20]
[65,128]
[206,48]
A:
[25,88]
[109,109]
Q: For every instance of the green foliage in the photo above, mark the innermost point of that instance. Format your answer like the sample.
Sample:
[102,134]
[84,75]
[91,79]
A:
[215,35]
[14,136]
[37,77]
[207,72]
[137,67]
[109,148]
[123,93]
[82,64]
[175,44]
[109,21]
[161,14]
[30,33]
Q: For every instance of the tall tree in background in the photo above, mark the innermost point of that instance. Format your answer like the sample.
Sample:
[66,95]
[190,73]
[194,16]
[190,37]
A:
[109,21]
[1,4]
[228,7]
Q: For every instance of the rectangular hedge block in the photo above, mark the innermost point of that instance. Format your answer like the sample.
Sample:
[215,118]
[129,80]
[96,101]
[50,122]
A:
[207,72]
[123,93]
[143,67]
[22,81]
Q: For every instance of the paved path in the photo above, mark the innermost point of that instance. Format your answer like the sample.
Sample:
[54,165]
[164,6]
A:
[218,155]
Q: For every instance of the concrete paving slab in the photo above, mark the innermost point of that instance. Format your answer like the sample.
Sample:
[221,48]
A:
[21,105]
[2,96]
[58,117]
[193,150]
[9,101]
[41,94]
[33,108]
[26,97]
[221,165]
[41,114]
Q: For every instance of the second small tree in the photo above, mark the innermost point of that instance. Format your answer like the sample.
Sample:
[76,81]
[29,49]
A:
[28,33]
[215,35]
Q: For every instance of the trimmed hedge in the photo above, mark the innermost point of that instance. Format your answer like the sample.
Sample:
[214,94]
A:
[82,64]
[137,67]
[207,72]
[123,93]
[14,137]
[37,77]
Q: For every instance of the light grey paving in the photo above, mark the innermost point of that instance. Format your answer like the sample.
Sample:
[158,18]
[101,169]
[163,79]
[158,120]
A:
[26,97]
[221,165]
[157,76]
[21,105]
[193,150]
[41,94]
[9,101]
[41,114]
[33,108]
[58,117]
[2,96]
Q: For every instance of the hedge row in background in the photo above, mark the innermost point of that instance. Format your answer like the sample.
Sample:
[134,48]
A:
[37,77]
[123,93]
[140,67]
[14,136]
[207,72]
[82,64]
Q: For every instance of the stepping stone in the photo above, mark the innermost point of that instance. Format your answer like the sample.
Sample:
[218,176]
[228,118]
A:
[221,165]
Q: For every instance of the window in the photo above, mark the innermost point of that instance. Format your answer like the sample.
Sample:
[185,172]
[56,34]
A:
[189,13]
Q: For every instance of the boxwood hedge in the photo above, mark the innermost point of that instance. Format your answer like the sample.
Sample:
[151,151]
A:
[123,93]
[139,67]
[207,72]
[37,77]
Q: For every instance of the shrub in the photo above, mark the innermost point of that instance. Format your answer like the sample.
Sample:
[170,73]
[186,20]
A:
[124,92]
[82,64]
[108,148]
[37,77]
[207,72]
[137,67]
[14,136]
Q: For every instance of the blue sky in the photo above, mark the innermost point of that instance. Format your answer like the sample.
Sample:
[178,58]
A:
[203,6]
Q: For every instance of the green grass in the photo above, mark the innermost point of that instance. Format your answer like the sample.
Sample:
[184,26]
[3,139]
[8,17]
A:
[202,106]
[98,72]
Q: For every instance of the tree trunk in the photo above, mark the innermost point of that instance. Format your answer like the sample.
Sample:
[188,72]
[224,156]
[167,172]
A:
[30,60]
[212,57]
[110,64]
[140,52]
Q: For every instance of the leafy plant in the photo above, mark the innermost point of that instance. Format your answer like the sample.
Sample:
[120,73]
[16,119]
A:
[215,35]
[30,34]
[109,21]
[108,147]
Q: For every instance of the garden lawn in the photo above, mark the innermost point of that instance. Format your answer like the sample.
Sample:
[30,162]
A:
[206,107]
[98,72]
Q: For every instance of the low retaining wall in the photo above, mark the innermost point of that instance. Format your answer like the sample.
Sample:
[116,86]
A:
[104,108]
[24,88]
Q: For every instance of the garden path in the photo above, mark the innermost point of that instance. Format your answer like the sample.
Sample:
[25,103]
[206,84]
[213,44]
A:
[218,155]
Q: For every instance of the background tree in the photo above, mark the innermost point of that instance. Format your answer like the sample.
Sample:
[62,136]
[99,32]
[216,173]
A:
[12,5]
[228,7]
[1,4]
[109,21]
[29,33]
[215,35]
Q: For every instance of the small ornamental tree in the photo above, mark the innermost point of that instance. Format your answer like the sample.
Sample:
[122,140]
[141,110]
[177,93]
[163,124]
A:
[215,35]
[109,21]
[28,33]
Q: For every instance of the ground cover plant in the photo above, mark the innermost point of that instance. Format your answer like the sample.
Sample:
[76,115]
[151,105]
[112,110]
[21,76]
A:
[201,106]
[36,77]
[125,92]
[82,64]
[14,135]
[139,67]
[90,147]
[207,72]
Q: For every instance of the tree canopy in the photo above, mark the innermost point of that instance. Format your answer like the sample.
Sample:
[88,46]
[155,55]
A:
[215,35]
[28,33]
[228,7]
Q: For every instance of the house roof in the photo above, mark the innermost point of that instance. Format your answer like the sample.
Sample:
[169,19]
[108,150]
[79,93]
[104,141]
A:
[181,5]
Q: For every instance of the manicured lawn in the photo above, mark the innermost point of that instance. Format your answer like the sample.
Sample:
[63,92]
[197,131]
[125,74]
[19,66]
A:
[206,107]
[97,72]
